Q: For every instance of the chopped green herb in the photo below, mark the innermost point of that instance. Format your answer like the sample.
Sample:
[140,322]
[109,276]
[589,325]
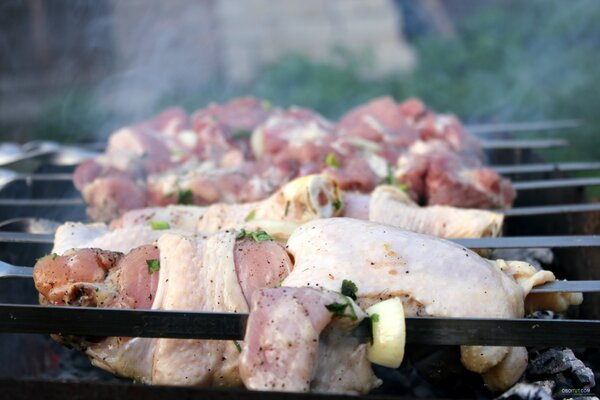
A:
[375,318]
[54,255]
[389,179]
[266,105]
[250,216]
[237,346]
[337,204]
[159,225]
[259,236]
[153,265]
[349,289]
[287,208]
[241,134]
[185,197]
[332,161]
[403,187]
[279,283]
[337,309]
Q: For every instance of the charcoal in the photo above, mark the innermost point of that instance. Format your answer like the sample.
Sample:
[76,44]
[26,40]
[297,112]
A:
[556,361]
[529,391]
[544,314]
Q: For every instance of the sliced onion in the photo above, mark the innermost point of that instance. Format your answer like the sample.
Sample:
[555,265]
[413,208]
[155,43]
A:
[389,333]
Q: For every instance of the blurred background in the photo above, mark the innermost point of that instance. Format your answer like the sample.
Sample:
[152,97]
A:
[74,70]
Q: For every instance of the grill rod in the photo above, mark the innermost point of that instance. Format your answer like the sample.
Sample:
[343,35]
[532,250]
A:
[546,167]
[555,183]
[513,127]
[513,242]
[100,322]
[13,271]
[9,176]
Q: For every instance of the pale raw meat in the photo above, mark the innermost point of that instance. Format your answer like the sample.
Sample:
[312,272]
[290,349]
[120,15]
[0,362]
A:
[436,175]
[392,206]
[433,277]
[282,349]
[209,270]
[76,235]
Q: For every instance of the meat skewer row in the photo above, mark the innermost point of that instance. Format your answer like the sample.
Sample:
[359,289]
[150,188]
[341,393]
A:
[297,331]
[244,151]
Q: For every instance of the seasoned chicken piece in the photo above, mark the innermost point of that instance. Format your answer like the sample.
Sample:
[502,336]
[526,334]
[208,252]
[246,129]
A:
[76,235]
[303,199]
[432,276]
[293,343]
[175,216]
[183,272]
[391,205]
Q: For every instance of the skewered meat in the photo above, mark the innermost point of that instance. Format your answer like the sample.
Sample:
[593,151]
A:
[284,348]
[214,158]
[437,175]
[432,276]
[391,205]
[317,196]
[216,274]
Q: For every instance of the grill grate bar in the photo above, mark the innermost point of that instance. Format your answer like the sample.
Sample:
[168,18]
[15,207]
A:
[556,183]
[522,144]
[546,167]
[513,242]
[231,326]
[513,127]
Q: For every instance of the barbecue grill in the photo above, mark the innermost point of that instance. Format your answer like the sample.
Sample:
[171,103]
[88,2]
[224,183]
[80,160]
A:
[37,194]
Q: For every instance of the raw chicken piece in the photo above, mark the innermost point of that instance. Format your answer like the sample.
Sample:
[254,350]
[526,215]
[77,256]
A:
[391,205]
[76,235]
[303,199]
[294,344]
[218,273]
[432,276]
[176,216]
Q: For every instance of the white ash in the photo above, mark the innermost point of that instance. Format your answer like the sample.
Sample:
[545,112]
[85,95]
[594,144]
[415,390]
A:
[530,391]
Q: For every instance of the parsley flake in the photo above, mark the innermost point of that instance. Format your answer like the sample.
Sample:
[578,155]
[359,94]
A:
[159,225]
[337,204]
[403,187]
[153,265]
[237,346]
[337,309]
[389,179]
[349,289]
[375,318]
[185,197]
[54,255]
[332,161]
[259,236]
[287,208]
[250,216]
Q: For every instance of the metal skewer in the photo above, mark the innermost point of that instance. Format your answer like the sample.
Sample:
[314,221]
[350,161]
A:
[99,322]
[512,127]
